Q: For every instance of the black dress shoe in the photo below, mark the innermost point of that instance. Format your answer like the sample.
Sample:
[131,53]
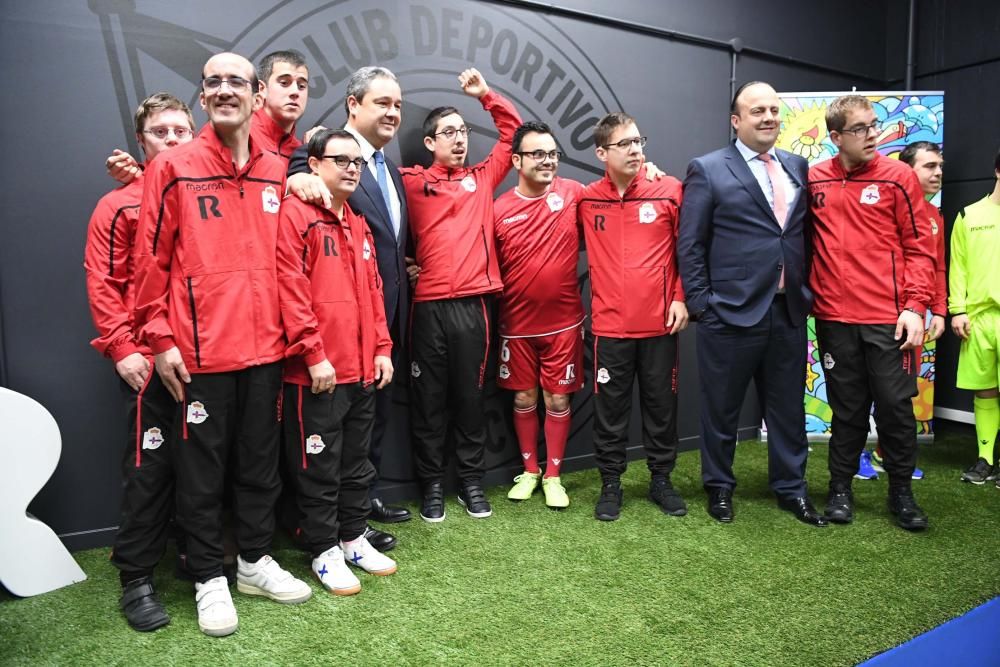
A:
[720,505]
[803,510]
[381,541]
[840,504]
[388,513]
[142,609]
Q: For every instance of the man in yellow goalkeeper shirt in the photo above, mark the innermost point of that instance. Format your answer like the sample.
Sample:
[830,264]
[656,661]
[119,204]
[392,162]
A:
[974,304]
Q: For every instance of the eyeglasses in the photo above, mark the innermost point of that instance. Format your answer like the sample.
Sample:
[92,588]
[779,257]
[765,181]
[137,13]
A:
[237,84]
[451,133]
[343,161]
[163,132]
[625,144]
[862,131]
[540,155]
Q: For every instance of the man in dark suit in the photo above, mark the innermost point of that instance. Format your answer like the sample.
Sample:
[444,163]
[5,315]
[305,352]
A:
[374,104]
[742,253]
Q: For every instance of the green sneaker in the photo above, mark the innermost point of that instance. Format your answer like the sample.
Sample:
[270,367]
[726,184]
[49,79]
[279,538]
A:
[555,494]
[524,485]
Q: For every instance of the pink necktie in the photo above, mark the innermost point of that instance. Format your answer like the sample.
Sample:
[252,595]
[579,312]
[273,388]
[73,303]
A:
[780,205]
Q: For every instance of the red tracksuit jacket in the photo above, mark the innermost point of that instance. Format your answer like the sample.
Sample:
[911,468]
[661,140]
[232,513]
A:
[267,134]
[939,304]
[451,216]
[109,265]
[873,252]
[631,249]
[205,268]
[330,293]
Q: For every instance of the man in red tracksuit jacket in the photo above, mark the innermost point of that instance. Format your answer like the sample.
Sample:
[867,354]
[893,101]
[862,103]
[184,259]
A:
[284,84]
[873,278]
[207,305]
[161,123]
[338,347]
[284,81]
[630,229]
[451,224]
[927,162]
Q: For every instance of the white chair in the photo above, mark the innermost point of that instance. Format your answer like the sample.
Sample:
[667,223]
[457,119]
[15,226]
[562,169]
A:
[32,558]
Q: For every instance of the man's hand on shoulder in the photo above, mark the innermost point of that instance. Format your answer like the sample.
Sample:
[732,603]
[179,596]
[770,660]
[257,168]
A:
[310,188]
[473,83]
[309,133]
[122,167]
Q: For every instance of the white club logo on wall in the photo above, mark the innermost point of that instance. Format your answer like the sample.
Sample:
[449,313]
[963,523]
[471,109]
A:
[523,54]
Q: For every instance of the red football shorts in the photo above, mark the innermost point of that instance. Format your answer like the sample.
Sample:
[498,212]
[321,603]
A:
[555,361]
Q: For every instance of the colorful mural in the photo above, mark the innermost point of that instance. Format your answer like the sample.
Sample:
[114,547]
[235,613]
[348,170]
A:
[905,118]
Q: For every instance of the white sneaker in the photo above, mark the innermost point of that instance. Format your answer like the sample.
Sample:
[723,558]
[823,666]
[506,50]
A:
[265,577]
[361,553]
[216,613]
[332,571]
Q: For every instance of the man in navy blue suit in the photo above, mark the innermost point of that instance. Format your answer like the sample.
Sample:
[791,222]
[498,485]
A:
[742,252]
[374,103]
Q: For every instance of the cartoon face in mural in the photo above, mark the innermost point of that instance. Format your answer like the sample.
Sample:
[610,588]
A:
[905,118]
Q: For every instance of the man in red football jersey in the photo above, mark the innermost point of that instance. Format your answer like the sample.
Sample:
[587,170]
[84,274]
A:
[541,314]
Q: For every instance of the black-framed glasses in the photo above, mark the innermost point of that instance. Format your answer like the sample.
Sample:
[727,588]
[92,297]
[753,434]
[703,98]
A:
[451,133]
[540,155]
[162,132]
[237,84]
[862,130]
[626,144]
[343,161]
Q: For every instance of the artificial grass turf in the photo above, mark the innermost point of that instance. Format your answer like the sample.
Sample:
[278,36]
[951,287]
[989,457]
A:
[531,585]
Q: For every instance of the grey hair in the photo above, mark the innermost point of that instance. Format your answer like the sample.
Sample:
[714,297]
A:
[361,81]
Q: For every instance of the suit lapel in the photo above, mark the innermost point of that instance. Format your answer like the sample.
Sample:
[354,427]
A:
[741,170]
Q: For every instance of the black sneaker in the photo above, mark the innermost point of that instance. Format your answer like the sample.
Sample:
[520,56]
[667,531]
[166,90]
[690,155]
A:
[473,499]
[906,510]
[609,505]
[979,472]
[662,492]
[432,508]
[840,503]
[142,608]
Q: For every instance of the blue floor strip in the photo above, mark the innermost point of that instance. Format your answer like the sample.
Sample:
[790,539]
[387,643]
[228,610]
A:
[969,641]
